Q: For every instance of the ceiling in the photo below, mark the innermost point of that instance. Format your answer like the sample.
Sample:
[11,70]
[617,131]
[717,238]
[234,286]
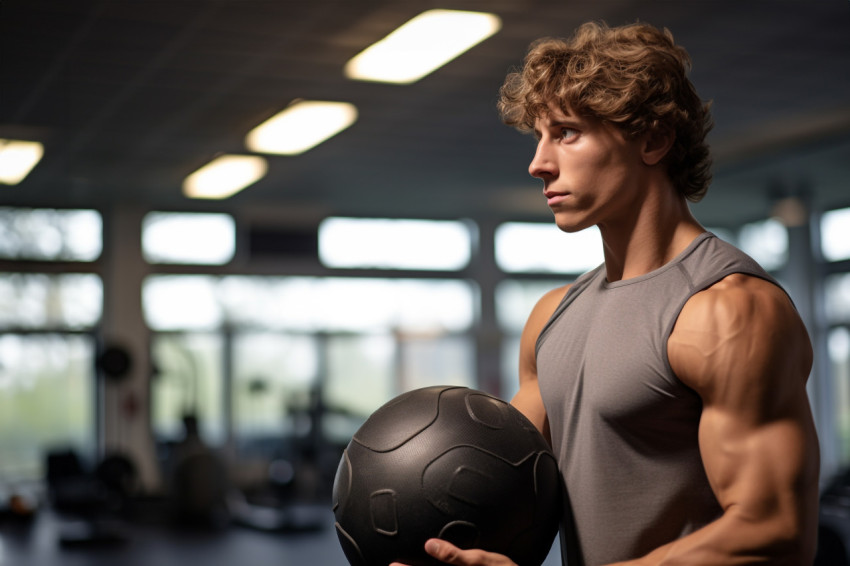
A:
[129,97]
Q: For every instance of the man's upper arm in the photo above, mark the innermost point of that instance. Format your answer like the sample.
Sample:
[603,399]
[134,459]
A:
[742,347]
[527,398]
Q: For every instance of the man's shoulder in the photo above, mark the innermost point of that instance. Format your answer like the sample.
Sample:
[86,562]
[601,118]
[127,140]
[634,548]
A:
[547,304]
[741,294]
[742,319]
[738,303]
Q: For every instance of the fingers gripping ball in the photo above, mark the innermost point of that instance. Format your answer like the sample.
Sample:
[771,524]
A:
[452,463]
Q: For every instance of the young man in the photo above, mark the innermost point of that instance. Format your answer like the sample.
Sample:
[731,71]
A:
[671,379]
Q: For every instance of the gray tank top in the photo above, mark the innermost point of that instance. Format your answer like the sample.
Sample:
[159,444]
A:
[624,428]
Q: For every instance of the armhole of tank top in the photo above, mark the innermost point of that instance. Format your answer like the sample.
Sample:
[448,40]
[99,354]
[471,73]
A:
[555,314]
[576,287]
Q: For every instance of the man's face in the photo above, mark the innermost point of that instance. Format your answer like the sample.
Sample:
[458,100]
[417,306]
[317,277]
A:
[591,173]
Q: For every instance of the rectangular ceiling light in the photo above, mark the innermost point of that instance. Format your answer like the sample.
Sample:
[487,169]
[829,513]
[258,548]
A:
[422,45]
[224,176]
[303,125]
[17,158]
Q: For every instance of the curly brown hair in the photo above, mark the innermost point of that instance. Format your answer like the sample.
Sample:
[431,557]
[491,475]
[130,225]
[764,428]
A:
[633,76]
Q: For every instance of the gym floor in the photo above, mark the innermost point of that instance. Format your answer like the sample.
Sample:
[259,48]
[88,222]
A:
[39,543]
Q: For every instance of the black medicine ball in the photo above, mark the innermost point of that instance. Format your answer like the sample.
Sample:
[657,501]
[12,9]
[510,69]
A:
[446,462]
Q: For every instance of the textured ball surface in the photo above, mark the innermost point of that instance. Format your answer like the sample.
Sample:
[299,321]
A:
[446,462]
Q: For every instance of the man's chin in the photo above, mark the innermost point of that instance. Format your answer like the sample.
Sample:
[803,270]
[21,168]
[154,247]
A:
[571,227]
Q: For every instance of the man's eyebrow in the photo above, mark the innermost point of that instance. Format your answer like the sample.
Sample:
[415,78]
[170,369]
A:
[566,122]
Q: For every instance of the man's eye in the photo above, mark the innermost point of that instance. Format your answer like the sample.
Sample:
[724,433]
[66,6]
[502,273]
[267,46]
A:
[567,133]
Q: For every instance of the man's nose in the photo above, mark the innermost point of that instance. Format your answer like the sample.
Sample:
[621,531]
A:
[542,164]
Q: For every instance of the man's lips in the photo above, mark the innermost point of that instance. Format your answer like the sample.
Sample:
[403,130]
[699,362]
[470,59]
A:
[554,197]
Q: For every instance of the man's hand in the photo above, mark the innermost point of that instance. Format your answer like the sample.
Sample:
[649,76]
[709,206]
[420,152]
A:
[450,554]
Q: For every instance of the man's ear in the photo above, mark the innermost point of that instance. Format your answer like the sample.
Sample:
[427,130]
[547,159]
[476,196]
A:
[656,145]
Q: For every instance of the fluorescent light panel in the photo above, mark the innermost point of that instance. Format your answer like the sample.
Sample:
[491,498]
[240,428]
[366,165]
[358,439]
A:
[302,126]
[224,176]
[17,158]
[422,45]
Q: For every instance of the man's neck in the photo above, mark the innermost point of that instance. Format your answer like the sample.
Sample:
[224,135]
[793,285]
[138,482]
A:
[655,234]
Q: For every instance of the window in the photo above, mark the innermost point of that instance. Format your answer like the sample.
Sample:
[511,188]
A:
[188,238]
[46,352]
[514,301]
[766,242]
[360,372]
[515,298]
[274,379]
[47,234]
[839,355]
[46,399]
[307,303]
[395,244]
[189,379]
[837,297]
[543,248]
[269,345]
[42,301]
[365,371]
[835,234]
[182,302]
[427,360]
